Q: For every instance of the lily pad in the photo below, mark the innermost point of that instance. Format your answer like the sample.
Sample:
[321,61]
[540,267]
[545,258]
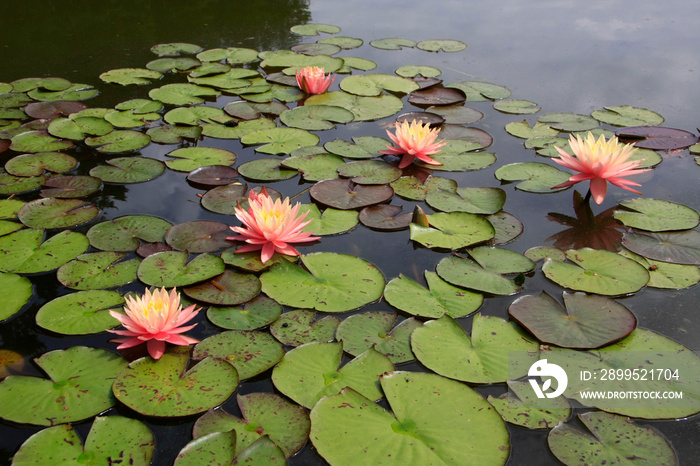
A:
[227,289]
[471,200]
[280,140]
[56,213]
[23,251]
[330,222]
[213,175]
[183,94]
[124,233]
[298,327]
[316,49]
[256,313]
[169,134]
[375,84]
[316,117]
[76,91]
[587,321]
[597,271]
[357,63]
[446,45]
[198,236]
[311,371]
[507,227]
[81,313]
[51,110]
[477,91]
[331,282]
[362,147]
[77,128]
[233,55]
[392,43]
[665,275]
[525,131]
[657,137]
[126,76]
[627,116]
[569,121]
[172,65]
[189,158]
[98,270]
[346,43]
[437,96]
[656,215]
[36,164]
[370,172]
[385,217]
[165,388]
[360,332]
[171,269]
[79,387]
[411,187]
[117,141]
[68,187]
[681,247]
[364,108]
[19,184]
[452,230]
[17,291]
[346,195]
[174,49]
[232,80]
[266,170]
[127,170]
[517,107]
[439,299]
[444,347]
[312,29]
[538,177]
[519,407]
[129,118]
[315,167]
[432,418]
[236,132]
[38,141]
[251,353]
[433,119]
[460,162]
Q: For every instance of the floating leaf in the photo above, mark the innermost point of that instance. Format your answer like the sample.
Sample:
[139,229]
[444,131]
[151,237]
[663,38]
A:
[227,289]
[298,327]
[316,49]
[330,222]
[119,141]
[627,116]
[444,347]
[280,140]
[460,162]
[517,107]
[124,233]
[315,117]
[256,313]
[198,236]
[346,43]
[266,170]
[312,29]
[656,215]
[251,353]
[233,55]
[175,49]
[681,247]
[346,195]
[364,108]
[331,282]
[129,118]
[171,269]
[168,134]
[182,94]
[51,110]
[291,61]
[79,387]
[17,291]
[23,251]
[412,71]
[471,200]
[67,187]
[38,141]
[539,177]
[357,63]
[362,147]
[74,92]
[665,275]
[18,184]
[140,106]
[194,115]
[165,388]
[56,213]
[657,137]
[437,96]
[479,91]
[519,407]
[77,128]
[315,167]
[309,372]
[595,271]
[433,119]
[375,84]
[237,132]
[507,227]
[394,43]
[128,170]
[569,121]
[360,332]
[385,217]
[126,76]
[98,270]
[525,131]
[452,230]
[81,313]
[213,175]
[436,45]
[35,164]
[166,65]
[233,79]
[413,188]
[189,158]
[370,172]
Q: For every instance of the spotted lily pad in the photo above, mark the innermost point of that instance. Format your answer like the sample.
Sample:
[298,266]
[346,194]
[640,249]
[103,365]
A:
[298,327]
[128,170]
[471,200]
[360,332]
[437,96]
[17,291]
[330,282]
[256,313]
[169,134]
[77,128]
[346,195]
[19,184]
[315,167]
[81,313]
[519,407]
[227,289]
[597,271]
[79,387]
[174,49]
[586,321]
[452,230]
[129,118]
[35,164]
[439,299]
[119,141]
[444,347]
[56,213]
[627,116]
[38,141]
[432,416]
[410,187]
[538,177]
[171,269]
[23,251]
[477,91]
[165,388]
[364,108]
[311,371]
[96,271]
[251,353]
[656,215]
[124,233]
[665,275]
[681,247]
[330,222]
[189,158]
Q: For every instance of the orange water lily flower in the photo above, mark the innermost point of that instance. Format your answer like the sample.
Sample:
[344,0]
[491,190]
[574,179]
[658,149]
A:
[155,318]
[415,141]
[313,80]
[270,226]
[601,162]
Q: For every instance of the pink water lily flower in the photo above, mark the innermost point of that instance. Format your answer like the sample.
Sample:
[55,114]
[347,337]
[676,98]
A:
[270,226]
[601,162]
[155,318]
[415,141]
[313,80]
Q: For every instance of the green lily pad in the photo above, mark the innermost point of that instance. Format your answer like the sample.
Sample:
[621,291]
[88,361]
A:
[19,184]
[251,352]
[36,164]
[538,177]
[330,282]
[656,215]
[471,200]
[477,91]
[256,313]
[140,106]
[597,271]
[266,170]
[609,439]
[126,76]
[665,275]
[439,299]
[172,65]
[169,134]
[485,272]
[74,92]
[230,132]
[165,388]
[17,291]
[370,172]
[385,217]
[315,167]
[81,313]
[233,55]
[466,161]
[362,147]
[189,158]
[316,117]
[174,49]
[525,131]
[298,327]
[457,114]
[316,49]
[290,61]
[330,222]
[117,141]
[628,116]
[124,233]
[507,227]
[360,332]
[681,247]
[435,421]
[38,141]
[280,140]
[410,187]
[198,236]
[517,107]
[23,251]
[519,407]
[77,128]
[346,43]
[393,43]
[56,213]
[346,195]
[225,199]
[233,79]
[446,45]
[194,115]
[127,170]
[98,270]
[7,227]
[415,70]
[68,187]
[586,321]
[171,269]
[545,252]
[129,118]
[357,63]
[452,230]
[364,108]
[227,289]
[79,387]
[111,439]
[375,84]
[569,121]
[444,347]
[312,29]
[309,372]
[183,94]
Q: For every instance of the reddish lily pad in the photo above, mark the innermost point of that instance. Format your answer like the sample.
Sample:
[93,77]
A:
[298,327]
[433,119]
[385,217]
[56,213]
[657,137]
[213,175]
[68,187]
[436,96]
[346,195]
[228,289]
[681,247]
[198,236]
[51,110]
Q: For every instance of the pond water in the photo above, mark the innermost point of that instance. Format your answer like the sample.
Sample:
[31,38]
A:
[566,56]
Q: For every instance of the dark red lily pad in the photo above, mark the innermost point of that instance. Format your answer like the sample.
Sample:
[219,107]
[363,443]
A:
[657,137]
[4,145]
[199,236]
[147,249]
[213,175]
[437,96]
[228,289]
[424,117]
[473,135]
[682,247]
[425,83]
[51,110]
[385,217]
[346,195]
[67,187]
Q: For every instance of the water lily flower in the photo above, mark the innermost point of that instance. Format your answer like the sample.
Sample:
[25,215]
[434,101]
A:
[270,226]
[155,318]
[312,80]
[600,162]
[415,141]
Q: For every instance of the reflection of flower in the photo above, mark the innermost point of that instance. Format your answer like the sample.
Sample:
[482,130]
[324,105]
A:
[270,226]
[415,141]
[154,318]
[602,231]
[312,80]
[600,161]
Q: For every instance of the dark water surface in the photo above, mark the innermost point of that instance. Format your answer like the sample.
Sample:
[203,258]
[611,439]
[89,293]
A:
[567,56]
